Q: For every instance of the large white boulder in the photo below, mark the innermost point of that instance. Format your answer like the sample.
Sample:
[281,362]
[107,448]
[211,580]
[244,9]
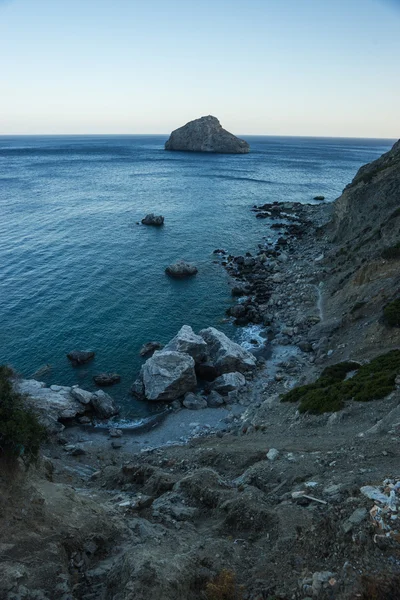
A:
[167,375]
[227,356]
[188,342]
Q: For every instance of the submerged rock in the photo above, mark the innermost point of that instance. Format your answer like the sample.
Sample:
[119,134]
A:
[79,357]
[104,379]
[227,356]
[152,219]
[167,375]
[149,348]
[181,269]
[188,342]
[206,135]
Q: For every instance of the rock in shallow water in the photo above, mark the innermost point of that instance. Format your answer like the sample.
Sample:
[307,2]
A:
[167,375]
[206,135]
[103,405]
[80,357]
[149,348]
[188,342]
[181,269]
[152,219]
[104,379]
[227,356]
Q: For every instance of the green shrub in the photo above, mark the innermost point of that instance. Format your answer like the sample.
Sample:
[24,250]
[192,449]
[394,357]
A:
[372,381]
[391,313]
[20,431]
[392,252]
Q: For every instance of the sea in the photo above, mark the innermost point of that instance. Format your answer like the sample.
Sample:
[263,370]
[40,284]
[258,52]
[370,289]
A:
[79,271]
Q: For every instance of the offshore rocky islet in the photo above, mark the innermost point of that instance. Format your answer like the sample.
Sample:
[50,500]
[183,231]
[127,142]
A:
[275,491]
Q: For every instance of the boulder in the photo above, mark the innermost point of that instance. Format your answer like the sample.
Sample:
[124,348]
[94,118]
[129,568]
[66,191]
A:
[206,135]
[193,402]
[167,375]
[104,379]
[137,389]
[103,405]
[83,396]
[228,382]
[149,348]
[214,400]
[79,357]
[188,342]
[152,219]
[227,356]
[181,269]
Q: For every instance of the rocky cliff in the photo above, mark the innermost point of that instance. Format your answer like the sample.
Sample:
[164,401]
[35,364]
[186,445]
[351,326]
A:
[363,262]
[206,135]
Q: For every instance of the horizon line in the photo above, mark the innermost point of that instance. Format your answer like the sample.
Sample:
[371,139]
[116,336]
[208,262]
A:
[347,137]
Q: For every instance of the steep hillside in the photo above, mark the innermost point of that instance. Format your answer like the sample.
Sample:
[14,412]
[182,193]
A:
[363,263]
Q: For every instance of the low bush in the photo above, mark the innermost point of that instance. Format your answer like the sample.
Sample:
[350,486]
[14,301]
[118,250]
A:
[20,431]
[372,381]
[391,313]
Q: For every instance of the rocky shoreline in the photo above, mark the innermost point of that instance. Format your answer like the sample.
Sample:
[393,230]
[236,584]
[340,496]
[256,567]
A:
[264,285]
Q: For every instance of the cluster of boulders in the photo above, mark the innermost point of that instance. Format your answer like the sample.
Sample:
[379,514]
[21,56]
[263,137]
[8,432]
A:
[195,370]
[57,404]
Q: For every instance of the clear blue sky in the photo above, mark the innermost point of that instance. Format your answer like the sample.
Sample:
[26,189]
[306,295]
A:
[279,67]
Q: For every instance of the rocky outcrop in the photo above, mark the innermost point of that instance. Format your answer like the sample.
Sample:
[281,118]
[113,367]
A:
[363,260]
[52,405]
[206,135]
[167,375]
[152,219]
[227,356]
[181,269]
[57,404]
[80,357]
[188,342]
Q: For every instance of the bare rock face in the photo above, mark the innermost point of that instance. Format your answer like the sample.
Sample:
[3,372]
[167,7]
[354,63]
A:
[227,356]
[167,375]
[206,135]
[188,342]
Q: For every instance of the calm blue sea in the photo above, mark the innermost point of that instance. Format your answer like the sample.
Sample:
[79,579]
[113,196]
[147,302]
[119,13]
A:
[76,271]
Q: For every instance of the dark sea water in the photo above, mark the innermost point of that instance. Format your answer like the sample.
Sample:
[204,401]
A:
[76,271]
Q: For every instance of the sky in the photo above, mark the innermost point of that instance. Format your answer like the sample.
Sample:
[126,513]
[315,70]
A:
[267,67]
